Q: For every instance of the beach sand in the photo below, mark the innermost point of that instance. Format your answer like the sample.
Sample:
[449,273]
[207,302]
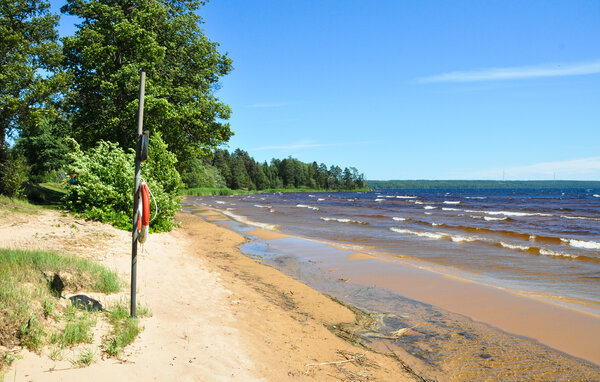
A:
[218,315]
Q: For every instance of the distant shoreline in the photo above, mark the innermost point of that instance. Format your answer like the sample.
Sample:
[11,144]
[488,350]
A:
[480,184]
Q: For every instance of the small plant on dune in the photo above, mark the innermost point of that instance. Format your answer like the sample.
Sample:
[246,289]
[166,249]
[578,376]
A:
[125,329]
[85,358]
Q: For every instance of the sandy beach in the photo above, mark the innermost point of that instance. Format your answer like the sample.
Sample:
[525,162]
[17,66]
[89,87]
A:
[218,315]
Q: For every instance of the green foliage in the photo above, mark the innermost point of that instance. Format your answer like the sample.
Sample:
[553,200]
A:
[13,174]
[45,148]
[114,40]
[85,358]
[105,181]
[29,57]
[199,175]
[242,172]
[32,334]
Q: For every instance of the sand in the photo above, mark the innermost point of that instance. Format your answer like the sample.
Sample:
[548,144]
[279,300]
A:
[218,315]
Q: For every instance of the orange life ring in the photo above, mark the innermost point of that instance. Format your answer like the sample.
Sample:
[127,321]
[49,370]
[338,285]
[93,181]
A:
[143,212]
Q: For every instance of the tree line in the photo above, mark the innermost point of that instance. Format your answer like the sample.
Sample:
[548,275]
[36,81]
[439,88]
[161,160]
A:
[238,170]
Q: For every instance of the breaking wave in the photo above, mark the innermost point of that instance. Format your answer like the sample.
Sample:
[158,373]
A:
[344,221]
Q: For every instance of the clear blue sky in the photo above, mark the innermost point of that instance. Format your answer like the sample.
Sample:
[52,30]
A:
[415,89]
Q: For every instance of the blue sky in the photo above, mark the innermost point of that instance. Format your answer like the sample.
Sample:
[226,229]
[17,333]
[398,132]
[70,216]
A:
[415,89]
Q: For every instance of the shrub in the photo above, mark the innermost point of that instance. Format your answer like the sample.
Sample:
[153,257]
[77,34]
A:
[13,173]
[105,179]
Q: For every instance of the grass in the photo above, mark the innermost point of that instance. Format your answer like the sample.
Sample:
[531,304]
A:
[125,329]
[85,358]
[28,305]
[8,205]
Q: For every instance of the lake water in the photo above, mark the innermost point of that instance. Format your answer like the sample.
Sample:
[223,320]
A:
[542,243]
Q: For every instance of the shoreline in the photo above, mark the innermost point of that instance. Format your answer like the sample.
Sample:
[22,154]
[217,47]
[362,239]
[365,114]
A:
[559,327]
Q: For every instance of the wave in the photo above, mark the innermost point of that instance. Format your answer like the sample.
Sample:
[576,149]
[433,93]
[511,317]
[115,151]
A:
[596,195]
[514,246]
[578,217]
[450,209]
[434,235]
[379,200]
[429,207]
[320,200]
[261,206]
[430,235]
[508,213]
[475,197]
[418,202]
[307,206]
[243,219]
[581,243]
[344,221]
[399,219]
[219,202]
[405,197]
[547,252]
[451,202]
[488,218]
[427,213]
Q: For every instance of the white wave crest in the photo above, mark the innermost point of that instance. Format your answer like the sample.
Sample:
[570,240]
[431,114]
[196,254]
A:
[379,200]
[307,206]
[243,219]
[475,197]
[261,206]
[578,217]
[220,202]
[450,209]
[430,235]
[459,239]
[513,246]
[581,243]
[476,217]
[508,213]
[419,202]
[427,213]
[488,218]
[344,221]
[596,195]
[547,252]
[398,219]
[451,202]
[405,197]
[320,200]
[429,207]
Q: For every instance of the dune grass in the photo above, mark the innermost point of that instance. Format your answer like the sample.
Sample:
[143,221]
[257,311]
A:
[28,302]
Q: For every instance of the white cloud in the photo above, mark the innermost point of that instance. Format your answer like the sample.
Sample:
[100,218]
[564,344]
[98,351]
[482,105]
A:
[574,169]
[497,74]
[305,144]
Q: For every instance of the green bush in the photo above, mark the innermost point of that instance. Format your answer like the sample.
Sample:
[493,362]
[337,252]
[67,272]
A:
[13,173]
[105,179]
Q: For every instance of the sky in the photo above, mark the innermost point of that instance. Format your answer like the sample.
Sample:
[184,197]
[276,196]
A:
[414,89]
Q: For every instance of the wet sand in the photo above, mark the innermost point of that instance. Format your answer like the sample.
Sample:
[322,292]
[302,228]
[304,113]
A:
[569,330]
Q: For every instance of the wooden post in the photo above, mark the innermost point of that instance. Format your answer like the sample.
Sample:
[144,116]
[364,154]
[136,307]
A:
[138,168]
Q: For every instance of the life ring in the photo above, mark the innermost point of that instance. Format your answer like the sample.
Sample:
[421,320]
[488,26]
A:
[143,223]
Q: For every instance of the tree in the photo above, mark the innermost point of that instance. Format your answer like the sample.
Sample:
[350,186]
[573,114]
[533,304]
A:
[29,56]
[115,40]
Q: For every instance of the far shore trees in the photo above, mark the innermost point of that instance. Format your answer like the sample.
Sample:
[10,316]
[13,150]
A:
[118,38]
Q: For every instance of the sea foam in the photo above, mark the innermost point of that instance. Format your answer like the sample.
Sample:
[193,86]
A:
[581,243]
[307,206]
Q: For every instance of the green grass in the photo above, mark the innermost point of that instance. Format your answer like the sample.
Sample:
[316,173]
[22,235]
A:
[125,329]
[8,205]
[28,305]
[85,358]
